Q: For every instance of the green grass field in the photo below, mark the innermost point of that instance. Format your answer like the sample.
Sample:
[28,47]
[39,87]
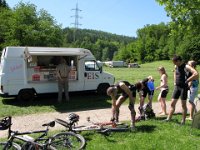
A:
[80,101]
[150,135]
[134,75]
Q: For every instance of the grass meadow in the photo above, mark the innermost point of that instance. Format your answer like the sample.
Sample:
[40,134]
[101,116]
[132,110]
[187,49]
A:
[80,101]
[152,134]
[84,101]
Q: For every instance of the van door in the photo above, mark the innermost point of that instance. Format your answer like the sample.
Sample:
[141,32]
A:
[92,75]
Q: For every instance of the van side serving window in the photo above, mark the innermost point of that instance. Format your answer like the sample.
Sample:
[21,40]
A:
[91,66]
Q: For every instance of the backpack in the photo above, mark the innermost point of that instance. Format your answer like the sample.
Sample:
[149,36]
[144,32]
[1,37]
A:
[146,112]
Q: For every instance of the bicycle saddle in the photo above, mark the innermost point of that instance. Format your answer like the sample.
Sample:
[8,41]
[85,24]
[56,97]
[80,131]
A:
[51,124]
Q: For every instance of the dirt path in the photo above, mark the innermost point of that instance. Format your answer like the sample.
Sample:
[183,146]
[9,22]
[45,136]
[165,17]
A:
[35,121]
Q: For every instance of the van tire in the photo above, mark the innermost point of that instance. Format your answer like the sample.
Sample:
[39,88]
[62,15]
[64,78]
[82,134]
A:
[26,95]
[102,88]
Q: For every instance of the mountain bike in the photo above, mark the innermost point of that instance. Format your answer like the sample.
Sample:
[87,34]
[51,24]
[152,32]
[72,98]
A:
[59,141]
[100,127]
[5,124]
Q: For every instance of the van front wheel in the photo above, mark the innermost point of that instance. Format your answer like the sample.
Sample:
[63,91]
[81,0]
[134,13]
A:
[26,94]
[102,88]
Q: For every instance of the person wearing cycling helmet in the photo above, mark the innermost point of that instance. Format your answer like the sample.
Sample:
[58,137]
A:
[119,92]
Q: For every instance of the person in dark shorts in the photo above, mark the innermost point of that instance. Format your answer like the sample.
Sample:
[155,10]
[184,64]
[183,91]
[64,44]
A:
[148,89]
[193,91]
[119,93]
[163,89]
[181,81]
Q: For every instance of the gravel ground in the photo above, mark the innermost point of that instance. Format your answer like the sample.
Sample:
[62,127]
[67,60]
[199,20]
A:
[35,121]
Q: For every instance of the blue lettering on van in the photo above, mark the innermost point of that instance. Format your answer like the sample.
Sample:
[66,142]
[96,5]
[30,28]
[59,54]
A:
[90,75]
[96,76]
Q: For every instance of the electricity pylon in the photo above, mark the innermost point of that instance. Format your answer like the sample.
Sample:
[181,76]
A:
[76,20]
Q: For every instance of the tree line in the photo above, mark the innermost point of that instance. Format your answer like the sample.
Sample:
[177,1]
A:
[23,25]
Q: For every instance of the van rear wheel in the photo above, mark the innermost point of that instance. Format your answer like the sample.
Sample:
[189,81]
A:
[102,88]
[26,94]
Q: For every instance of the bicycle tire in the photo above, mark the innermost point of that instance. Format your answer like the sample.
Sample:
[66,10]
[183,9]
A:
[32,146]
[118,128]
[86,128]
[68,140]
[14,146]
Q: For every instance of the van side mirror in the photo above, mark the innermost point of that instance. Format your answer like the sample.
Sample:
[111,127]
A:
[100,65]
[85,74]
[101,69]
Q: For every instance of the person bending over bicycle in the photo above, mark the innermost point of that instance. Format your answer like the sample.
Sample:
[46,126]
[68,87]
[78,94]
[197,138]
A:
[148,89]
[119,92]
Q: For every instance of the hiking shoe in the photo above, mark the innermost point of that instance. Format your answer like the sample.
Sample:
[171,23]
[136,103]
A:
[189,119]
[132,127]
[112,119]
[163,114]
[182,122]
[167,120]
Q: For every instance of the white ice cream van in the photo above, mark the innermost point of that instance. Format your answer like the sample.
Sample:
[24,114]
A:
[28,71]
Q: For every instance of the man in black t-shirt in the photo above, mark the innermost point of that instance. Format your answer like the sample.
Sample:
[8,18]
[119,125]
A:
[181,85]
[119,93]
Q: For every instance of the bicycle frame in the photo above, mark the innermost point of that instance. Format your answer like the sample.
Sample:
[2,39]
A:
[101,127]
[18,135]
[61,140]
[35,141]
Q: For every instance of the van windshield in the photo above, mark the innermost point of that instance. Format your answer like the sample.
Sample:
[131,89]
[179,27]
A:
[91,66]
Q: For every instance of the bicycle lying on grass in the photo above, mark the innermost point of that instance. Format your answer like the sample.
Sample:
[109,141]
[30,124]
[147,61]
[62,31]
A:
[60,141]
[100,127]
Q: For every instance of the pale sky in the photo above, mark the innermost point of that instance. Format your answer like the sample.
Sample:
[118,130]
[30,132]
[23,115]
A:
[122,17]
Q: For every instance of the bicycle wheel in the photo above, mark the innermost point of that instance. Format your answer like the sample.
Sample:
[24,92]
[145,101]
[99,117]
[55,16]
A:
[12,146]
[118,128]
[68,140]
[35,146]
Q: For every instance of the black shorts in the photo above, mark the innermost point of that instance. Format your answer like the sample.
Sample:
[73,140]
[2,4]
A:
[126,95]
[146,91]
[180,92]
[164,93]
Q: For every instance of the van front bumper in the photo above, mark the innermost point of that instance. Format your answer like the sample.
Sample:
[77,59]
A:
[4,95]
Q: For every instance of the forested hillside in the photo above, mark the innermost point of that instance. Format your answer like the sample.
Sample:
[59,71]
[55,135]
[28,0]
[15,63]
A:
[23,25]
[102,44]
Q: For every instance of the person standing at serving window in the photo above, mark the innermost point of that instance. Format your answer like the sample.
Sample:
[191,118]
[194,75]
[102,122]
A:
[62,72]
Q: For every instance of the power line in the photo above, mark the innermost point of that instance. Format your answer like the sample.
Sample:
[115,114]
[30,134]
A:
[76,19]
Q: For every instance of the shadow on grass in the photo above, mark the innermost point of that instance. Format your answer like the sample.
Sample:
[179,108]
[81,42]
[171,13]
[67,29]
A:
[146,128]
[78,101]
